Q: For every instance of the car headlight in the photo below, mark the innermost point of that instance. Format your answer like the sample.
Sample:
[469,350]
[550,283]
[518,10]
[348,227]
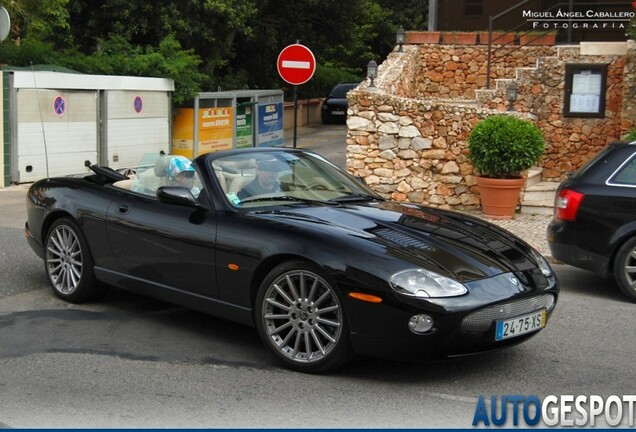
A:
[543,264]
[425,284]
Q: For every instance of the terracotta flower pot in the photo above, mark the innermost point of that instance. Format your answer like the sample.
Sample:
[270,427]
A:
[417,37]
[534,39]
[499,197]
[459,38]
[498,38]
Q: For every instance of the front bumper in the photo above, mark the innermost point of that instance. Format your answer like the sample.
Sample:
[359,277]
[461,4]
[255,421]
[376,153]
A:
[462,325]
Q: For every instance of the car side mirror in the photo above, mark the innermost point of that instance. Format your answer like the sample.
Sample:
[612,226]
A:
[176,195]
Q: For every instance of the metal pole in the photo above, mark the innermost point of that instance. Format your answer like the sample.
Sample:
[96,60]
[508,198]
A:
[195,129]
[295,106]
[488,64]
[295,111]
[570,8]
[432,15]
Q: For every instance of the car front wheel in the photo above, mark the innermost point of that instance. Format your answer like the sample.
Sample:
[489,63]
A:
[625,268]
[301,320]
[68,263]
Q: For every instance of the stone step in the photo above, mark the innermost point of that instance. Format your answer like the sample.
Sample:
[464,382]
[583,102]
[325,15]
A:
[543,186]
[539,198]
[537,210]
[534,176]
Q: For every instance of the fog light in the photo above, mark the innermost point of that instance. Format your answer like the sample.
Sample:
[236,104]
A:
[420,323]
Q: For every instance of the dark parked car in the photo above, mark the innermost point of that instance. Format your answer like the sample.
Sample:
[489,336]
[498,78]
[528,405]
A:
[594,224]
[334,107]
[321,265]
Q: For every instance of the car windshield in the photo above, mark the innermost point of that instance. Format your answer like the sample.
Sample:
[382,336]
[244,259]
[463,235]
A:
[340,91]
[273,178]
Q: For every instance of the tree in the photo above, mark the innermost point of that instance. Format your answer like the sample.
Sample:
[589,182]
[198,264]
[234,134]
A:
[40,19]
[210,43]
[207,27]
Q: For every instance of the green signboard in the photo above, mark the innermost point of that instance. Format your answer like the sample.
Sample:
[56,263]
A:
[244,125]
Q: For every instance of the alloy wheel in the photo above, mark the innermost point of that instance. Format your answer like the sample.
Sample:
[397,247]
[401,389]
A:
[629,269]
[64,259]
[302,316]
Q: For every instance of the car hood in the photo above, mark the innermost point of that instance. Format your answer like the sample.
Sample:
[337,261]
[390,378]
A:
[457,245]
[336,102]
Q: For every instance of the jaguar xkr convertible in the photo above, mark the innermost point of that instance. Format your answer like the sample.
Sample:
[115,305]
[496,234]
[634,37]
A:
[283,240]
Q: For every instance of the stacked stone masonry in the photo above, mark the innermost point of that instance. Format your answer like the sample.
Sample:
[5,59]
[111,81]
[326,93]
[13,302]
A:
[408,136]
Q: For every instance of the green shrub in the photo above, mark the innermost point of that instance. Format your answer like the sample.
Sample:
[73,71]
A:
[631,136]
[503,146]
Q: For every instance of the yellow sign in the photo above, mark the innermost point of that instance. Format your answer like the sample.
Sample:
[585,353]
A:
[215,131]
[182,136]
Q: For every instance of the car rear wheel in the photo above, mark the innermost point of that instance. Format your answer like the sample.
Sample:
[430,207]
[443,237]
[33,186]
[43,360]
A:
[625,268]
[301,320]
[69,264]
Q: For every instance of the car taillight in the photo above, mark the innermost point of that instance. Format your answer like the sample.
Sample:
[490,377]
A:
[567,204]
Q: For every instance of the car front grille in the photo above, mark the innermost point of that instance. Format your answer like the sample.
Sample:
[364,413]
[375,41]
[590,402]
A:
[482,319]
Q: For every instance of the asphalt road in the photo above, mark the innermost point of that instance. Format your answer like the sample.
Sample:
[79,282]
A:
[129,361]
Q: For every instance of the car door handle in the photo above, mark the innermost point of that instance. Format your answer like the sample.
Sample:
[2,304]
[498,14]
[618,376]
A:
[122,209]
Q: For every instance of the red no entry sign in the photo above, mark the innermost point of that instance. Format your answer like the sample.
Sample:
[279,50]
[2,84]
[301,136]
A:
[296,64]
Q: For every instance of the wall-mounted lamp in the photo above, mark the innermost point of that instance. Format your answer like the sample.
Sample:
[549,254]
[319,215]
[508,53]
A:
[372,72]
[399,38]
[511,93]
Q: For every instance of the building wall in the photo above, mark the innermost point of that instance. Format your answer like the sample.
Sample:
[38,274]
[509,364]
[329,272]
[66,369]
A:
[473,15]
[408,136]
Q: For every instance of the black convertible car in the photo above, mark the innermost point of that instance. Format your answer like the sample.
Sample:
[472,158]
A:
[283,240]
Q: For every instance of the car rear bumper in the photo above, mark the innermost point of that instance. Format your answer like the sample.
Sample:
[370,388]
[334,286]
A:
[564,248]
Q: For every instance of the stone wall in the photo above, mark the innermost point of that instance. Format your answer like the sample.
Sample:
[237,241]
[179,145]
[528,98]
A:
[408,136]
[449,71]
[572,141]
[411,150]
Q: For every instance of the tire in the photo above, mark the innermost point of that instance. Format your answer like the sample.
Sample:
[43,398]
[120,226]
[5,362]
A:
[300,319]
[625,268]
[69,264]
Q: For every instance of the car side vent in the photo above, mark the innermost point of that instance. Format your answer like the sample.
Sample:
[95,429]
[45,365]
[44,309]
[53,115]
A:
[402,239]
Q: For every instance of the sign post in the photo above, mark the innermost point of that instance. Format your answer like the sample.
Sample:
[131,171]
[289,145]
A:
[296,65]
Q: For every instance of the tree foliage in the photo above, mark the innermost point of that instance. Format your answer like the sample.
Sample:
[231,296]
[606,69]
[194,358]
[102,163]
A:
[208,44]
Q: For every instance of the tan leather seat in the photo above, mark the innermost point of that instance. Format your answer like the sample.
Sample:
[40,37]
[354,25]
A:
[125,184]
[222,180]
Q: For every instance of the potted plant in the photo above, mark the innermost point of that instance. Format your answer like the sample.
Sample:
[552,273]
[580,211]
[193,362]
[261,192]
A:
[501,148]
